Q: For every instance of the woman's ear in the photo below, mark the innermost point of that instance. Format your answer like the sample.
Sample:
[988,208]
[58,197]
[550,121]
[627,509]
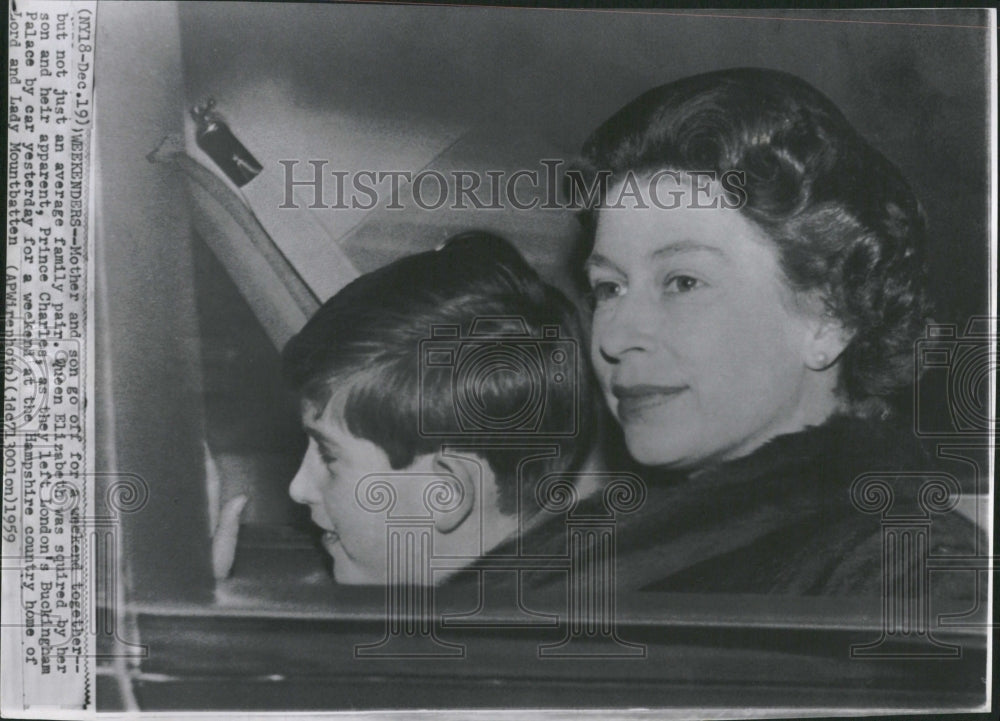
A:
[463,474]
[828,341]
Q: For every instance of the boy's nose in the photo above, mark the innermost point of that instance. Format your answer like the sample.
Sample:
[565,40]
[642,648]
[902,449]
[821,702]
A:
[302,488]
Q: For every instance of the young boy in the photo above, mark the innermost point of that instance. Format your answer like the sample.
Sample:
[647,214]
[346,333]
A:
[439,388]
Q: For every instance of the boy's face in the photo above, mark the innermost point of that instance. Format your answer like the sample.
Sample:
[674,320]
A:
[326,481]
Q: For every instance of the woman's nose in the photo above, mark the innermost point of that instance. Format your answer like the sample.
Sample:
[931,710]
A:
[303,486]
[628,328]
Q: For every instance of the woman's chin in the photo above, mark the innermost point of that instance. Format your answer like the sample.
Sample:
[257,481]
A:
[680,449]
[652,448]
[690,447]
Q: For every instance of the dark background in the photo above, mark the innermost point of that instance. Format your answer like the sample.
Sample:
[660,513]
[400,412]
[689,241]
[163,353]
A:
[913,82]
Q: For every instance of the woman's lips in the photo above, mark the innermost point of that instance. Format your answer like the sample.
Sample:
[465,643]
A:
[635,401]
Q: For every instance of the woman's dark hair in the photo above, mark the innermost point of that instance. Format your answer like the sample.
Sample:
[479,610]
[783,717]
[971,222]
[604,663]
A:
[397,340]
[844,219]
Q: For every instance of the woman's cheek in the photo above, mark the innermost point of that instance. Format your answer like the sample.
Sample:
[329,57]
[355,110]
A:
[602,369]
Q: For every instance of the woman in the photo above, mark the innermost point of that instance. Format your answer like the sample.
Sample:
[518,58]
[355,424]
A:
[757,271]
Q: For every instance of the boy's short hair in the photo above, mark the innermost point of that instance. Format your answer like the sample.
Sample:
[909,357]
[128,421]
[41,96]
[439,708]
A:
[367,338]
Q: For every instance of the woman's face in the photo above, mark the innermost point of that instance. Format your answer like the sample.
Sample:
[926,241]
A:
[699,348]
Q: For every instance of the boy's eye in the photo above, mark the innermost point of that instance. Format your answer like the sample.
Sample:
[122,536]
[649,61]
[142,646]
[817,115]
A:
[325,455]
[681,283]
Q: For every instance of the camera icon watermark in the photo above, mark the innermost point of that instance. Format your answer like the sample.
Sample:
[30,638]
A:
[965,366]
[499,379]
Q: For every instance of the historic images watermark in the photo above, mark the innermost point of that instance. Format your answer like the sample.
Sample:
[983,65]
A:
[962,363]
[551,186]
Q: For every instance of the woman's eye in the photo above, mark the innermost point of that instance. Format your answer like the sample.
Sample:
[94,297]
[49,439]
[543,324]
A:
[682,283]
[605,290]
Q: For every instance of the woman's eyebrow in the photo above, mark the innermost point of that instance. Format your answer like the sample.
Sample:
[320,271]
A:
[596,260]
[685,246]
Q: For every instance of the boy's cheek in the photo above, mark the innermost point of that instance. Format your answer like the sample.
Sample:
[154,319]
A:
[348,572]
[359,556]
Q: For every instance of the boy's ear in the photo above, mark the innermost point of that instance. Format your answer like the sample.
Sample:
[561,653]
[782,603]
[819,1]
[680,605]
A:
[465,473]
